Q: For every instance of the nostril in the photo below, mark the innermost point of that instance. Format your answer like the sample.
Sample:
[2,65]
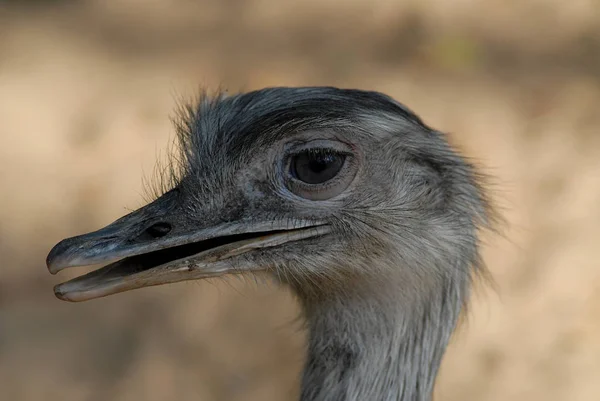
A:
[158,230]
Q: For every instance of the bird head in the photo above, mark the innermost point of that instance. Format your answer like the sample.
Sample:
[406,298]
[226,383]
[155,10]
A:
[322,187]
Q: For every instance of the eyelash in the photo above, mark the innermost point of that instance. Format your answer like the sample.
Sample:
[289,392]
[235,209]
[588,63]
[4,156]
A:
[317,151]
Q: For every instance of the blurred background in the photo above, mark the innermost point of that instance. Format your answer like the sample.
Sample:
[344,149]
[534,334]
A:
[86,92]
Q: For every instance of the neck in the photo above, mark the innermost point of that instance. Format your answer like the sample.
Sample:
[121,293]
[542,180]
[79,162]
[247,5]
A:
[366,348]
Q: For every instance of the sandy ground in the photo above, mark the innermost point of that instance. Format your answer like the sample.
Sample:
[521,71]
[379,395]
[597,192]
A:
[86,92]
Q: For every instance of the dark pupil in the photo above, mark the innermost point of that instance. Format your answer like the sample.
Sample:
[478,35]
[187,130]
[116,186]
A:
[316,166]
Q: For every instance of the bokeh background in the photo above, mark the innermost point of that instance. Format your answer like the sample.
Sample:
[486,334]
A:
[86,92]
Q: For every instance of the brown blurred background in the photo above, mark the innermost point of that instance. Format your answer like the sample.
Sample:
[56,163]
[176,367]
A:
[86,91]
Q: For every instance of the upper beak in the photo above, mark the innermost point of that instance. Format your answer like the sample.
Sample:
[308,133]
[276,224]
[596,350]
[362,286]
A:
[151,246]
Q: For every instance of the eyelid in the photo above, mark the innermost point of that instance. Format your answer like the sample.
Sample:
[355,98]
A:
[328,144]
[316,151]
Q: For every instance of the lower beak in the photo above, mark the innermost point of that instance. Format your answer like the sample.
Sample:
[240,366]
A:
[202,254]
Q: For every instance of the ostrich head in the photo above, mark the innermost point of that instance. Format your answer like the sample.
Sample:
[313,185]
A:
[344,195]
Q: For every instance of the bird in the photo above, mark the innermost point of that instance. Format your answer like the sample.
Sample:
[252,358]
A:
[345,196]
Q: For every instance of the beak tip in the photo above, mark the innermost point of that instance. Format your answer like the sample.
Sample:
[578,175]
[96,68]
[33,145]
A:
[62,256]
[53,264]
[61,294]
[54,256]
[52,269]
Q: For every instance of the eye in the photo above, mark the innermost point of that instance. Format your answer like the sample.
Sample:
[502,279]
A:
[322,171]
[316,166]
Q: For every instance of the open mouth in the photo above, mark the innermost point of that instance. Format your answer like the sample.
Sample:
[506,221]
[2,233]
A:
[145,267]
[147,261]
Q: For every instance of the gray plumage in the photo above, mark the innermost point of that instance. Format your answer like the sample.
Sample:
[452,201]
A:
[382,287]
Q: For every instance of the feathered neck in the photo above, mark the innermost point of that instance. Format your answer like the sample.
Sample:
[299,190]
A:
[371,348]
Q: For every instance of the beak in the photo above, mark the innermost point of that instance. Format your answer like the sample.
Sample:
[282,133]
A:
[152,246]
